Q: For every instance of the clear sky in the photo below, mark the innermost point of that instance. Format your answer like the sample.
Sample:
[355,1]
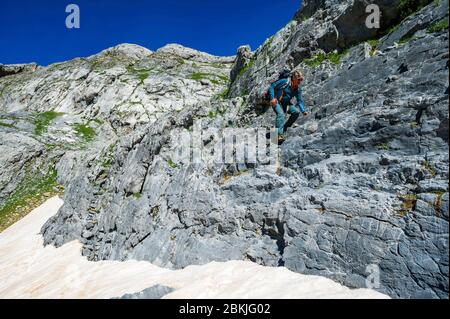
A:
[35,30]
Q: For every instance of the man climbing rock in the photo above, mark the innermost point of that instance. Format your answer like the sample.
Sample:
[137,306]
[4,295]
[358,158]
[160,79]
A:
[280,94]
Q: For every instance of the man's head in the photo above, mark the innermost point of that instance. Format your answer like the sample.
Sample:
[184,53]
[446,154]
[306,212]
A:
[296,78]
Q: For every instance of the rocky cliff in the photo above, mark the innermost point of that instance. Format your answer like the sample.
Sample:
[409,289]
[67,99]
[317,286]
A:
[360,184]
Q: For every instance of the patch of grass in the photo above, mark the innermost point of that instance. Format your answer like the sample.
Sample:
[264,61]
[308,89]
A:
[171,163]
[267,44]
[41,121]
[334,57]
[438,26]
[244,92]
[221,111]
[438,202]
[223,78]
[383,147]
[84,131]
[224,94]
[95,64]
[106,163]
[34,189]
[212,114]
[408,204]
[108,158]
[214,78]
[414,124]
[246,68]
[141,74]
[427,165]
[270,41]
[137,195]
[180,60]
[7,125]
[373,46]
[198,76]
[217,65]
[2,91]
[315,60]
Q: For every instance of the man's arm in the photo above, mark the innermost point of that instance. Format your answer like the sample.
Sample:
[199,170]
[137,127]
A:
[272,91]
[300,102]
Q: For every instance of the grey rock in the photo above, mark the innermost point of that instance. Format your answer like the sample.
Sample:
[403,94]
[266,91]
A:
[11,69]
[154,292]
[422,20]
[243,58]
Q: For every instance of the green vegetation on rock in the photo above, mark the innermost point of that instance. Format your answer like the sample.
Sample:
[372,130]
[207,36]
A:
[137,195]
[334,57]
[427,165]
[383,147]
[438,26]
[246,68]
[198,76]
[214,78]
[41,121]
[373,45]
[7,125]
[212,114]
[30,193]
[224,94]
[408,203]
[141,74]
[84,131]
[171,163]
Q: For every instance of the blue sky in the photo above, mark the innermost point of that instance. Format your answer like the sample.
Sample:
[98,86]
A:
[35,31]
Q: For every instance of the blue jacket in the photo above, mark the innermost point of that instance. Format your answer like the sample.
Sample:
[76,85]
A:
[275,92]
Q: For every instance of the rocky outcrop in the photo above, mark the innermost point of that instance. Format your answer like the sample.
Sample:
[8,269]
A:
[88,103]
[360,187]
[11,69]
[243,60]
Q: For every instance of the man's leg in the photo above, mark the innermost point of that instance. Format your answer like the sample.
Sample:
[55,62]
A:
[294,114]
[279,122]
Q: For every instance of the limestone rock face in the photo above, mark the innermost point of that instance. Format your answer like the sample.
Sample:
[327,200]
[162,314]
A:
[359,191]
[243,59]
